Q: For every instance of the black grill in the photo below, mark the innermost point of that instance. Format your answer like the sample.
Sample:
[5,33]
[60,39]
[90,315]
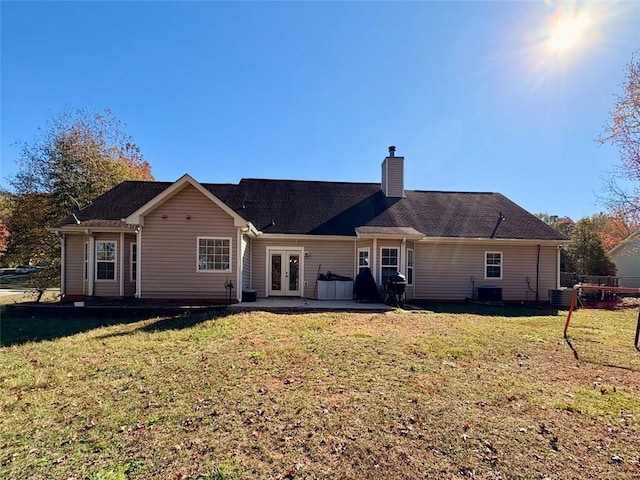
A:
[394,289]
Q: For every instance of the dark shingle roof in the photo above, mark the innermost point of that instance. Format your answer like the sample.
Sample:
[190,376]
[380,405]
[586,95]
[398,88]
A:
[336,208]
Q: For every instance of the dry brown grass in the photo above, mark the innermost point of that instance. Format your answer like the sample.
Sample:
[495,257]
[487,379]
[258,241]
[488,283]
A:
[477,394]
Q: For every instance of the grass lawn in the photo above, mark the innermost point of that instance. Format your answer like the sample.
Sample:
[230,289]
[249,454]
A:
[454,393]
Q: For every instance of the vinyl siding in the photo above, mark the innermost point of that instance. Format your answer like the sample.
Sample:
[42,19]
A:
[74,268]
[336,256]
[627,261]
[246,262]
[444,271]
[168,255]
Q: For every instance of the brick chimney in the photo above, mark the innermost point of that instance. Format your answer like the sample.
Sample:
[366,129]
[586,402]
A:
[393,174]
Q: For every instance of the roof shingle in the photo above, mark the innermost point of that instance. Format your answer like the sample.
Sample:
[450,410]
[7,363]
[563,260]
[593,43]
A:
[338,208]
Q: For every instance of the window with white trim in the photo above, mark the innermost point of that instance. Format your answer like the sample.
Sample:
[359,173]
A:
[388,263]
[409,266]
[214,254]
[105,260]
[493,265]
[133,260]
[363,259]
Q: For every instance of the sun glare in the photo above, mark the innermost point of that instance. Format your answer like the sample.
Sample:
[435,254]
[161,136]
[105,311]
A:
[568,31]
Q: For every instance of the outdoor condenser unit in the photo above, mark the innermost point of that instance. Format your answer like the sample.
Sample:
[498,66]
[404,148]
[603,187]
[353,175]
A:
[560,297]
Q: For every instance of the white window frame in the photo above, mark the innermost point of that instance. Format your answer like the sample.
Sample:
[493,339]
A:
[410,263]
[383,266]
[132,273]
[500,265]
[214,270]
[358,266]
[114,261]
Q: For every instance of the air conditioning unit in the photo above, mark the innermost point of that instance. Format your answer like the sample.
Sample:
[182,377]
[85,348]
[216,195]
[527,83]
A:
[489,294]
[560,297]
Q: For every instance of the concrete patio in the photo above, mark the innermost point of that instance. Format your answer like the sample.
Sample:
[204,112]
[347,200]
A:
[304,304]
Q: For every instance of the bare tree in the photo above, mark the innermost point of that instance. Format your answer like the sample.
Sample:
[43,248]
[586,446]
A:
[623,131]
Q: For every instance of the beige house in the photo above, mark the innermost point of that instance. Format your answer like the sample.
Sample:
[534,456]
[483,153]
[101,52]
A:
[626,257]
[187,240]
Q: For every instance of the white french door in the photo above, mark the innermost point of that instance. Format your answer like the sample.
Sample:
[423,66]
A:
[284,272]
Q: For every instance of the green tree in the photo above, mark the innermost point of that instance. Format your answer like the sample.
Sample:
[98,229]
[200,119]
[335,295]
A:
[565,226]
[77,157]
[587,252]
[623,131]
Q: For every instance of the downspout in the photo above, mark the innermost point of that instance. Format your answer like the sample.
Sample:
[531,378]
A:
[403,256]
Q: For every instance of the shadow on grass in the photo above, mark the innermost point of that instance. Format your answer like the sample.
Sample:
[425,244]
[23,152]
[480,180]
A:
[593,362]
[490,310]
[17,328]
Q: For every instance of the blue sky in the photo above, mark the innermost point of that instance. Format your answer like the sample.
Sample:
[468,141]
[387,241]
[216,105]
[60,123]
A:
[471,93]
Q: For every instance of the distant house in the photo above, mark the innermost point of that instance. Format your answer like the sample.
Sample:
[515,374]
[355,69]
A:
[186,240]
[626,257]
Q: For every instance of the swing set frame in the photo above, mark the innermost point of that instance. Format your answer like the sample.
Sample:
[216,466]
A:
[577,289]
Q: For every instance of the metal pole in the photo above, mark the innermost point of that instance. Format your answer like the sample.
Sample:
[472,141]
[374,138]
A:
[574,299]
[638,331]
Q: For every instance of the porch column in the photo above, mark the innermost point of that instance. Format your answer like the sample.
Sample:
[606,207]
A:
[138,261]
[63,261]
[402,261]
[374,260]
[91,263]
[121,264]
[239,266]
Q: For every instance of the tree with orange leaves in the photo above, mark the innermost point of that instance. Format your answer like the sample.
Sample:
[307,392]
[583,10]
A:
[76,158]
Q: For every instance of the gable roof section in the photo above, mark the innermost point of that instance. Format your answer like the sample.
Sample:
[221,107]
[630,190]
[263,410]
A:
[110,208]
[627,242]
[137,217]
[334,208]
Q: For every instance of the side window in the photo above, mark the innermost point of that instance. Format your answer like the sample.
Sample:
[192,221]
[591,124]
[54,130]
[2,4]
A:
[214,254]
[493,265]
[134,262]
[105,260]
[409,266]
[363,259]
[388,263]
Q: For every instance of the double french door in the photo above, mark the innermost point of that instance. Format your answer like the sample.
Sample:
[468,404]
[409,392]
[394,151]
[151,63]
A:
[284,272]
